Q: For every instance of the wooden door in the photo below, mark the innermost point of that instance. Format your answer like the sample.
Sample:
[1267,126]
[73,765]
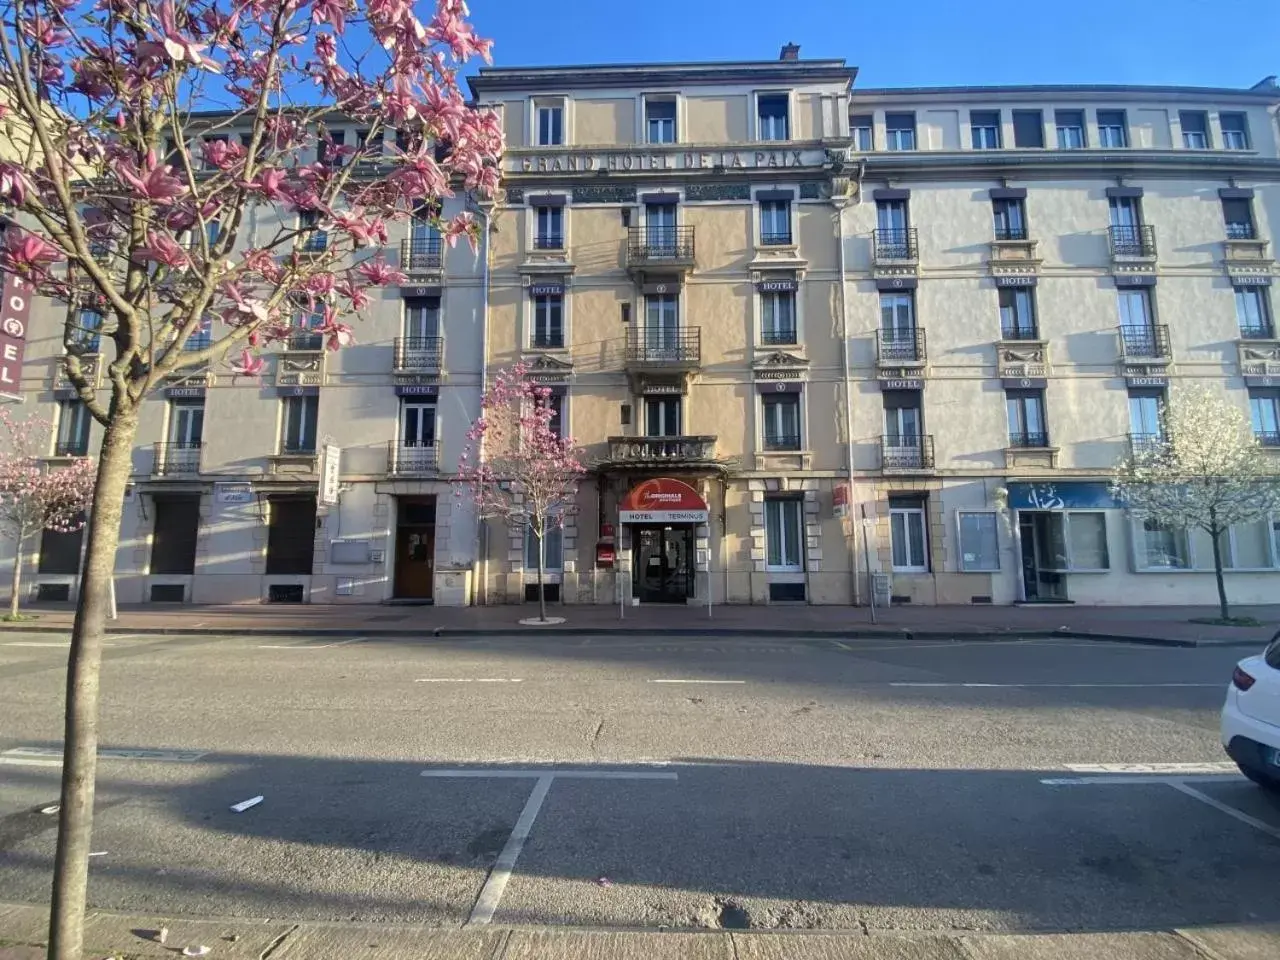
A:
[415,553]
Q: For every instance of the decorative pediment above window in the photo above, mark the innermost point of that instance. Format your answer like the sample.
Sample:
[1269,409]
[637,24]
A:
[779,360]
[549,369]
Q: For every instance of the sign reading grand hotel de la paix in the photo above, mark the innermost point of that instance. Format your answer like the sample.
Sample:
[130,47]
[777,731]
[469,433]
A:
[649,158]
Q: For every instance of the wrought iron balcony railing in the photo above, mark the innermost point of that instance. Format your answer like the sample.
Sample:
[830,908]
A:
[908,452]
[421,254]
[1145,341]
[782,442]
[896,244]
[72,448]
[1257,331]
[1018,332]
[897,346]
[1239,230]
[1030,439]
[419,353]
[778,336]
[642,450]
[410,457]
[1268,438]
[177,457]
[656,246]
[305,341]
[1145,444]
[660,346]
[1133,241]
[775,238]
[1015,231]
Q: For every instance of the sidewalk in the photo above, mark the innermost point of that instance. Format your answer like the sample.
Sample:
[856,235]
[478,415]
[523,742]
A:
[1168,626]
[22,929]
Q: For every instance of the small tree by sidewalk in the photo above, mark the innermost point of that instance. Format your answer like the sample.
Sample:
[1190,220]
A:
[36,495]
[517,467]
[1206,472]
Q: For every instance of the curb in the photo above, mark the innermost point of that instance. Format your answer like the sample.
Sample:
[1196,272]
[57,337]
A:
[443,633]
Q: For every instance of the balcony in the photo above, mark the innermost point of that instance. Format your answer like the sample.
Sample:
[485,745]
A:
[1246,255]
[661,453]
[70,449]
[1259,357]
[91,366]
[294,461]
[895,347]
[1026,440]
[660,249]
[1269,439]
[663,349]
[177,459]
[909,454]
[1145,444]
[1030,449]
[779,337]
[412,459]
[1013,253]
[301,363]
[419,354]
[1021,358]
[896,246]
[421,256]
[1145,343]
[1133,242]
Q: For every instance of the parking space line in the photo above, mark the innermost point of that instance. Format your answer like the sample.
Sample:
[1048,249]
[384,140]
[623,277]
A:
[480,773]
[309,646]
[469,680]
[1229,811]
[1065,686]
[699,681]
[1165,769]
[52,756]
[1130,780]
[491,892]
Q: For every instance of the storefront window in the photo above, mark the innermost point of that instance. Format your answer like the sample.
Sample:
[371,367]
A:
[1073,541]
[1162,547]
[979,542]
[1252,546]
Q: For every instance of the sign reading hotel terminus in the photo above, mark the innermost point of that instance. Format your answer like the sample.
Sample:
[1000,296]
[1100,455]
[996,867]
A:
[626,160]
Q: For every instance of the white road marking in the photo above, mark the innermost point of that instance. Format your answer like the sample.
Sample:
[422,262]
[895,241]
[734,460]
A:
[17,755]
[538,774]
[1166,769]
[469,680]
[51,644]
[1229,811]
[309,646]
[699,681]
[28,762]
[1131,780]
[491,892]
[1066,686]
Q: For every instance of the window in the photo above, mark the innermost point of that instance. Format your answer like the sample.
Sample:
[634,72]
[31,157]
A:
[1146,417]
[550,228]
[984,126]
[781,421]
[329,151]
[552,547]
[1135,315]
[1238,214]
[60,552]
[1084,536]
[775,222]
[186,423]
[1162,547]
[1070,124]
[1017,313]
[300,414]
[548,321]
[1253,312]
[309,320]
[291,535]
[979,542]
[660,233]
[907,535]
[370,145]
[1028,128]
[550,120]
[1010,219]
[1026,418]
[1195,129]
[314,239]
[893,237]
[861,128]
[417,423]
[86,334]
[778,317]
[421,321]
[784,535]
[660,120]
[1113,130]
[900,131]
[662,416]
[1126,214]
[201,336]
[73,429]
[1264,412]
[771,114]
[897,326]
[662,326]
[176,531]
[1235,131]
[558,402]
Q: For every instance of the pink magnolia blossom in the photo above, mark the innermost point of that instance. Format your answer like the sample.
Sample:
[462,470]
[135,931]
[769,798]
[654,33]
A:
[154,182]
[248,364]
[331,11]
[177,45]
[162,248]
[25,252]
[366,231]
[356,295]
[379,273]
[14,184]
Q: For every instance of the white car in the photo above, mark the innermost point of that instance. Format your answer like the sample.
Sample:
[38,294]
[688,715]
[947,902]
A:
[1251,717]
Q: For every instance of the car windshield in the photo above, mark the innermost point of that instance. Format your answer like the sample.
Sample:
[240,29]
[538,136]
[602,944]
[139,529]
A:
[1272,654]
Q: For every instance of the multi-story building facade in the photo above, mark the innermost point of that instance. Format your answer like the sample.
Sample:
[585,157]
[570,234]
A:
[815,340]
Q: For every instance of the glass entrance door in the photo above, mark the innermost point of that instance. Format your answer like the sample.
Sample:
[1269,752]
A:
[1042,538]
[662,564]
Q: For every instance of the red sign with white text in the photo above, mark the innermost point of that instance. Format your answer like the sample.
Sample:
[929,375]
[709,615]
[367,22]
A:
[662,500]
[15,311]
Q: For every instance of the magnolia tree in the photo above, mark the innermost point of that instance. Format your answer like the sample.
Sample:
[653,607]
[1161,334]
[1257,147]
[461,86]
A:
[36,495]
[517,467]
[180,178]
[1207,472]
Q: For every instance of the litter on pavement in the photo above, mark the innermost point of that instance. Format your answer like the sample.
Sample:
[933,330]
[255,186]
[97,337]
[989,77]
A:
[199,951]
[51,809]
[604,882]
[244,805]
[98,853]
[163,935]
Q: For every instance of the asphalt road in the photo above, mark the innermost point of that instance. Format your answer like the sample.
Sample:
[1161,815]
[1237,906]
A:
[872,785]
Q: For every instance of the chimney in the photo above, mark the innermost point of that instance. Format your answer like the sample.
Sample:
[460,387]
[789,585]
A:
[790,51]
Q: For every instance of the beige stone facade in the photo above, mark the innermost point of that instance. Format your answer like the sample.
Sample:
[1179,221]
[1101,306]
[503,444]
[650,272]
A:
[952,310]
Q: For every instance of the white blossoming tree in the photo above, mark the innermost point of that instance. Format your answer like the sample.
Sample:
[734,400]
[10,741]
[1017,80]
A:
[1207,472]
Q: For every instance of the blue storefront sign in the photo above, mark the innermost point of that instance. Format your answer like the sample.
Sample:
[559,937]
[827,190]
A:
[1051,495]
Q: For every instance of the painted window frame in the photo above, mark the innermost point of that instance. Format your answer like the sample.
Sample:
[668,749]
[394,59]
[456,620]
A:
[549,101]
[921,514]
[790,513]
[1205,133]
[862,130]
[771,401]
[1072,566]
[1071,129]
[533,308]
[304,402]
[776,297]
[1195,562]
[1110,132]
[962,564]
[1235,138]
[676,126]
[769,213]
[901,139]
[757,124]
[980,120]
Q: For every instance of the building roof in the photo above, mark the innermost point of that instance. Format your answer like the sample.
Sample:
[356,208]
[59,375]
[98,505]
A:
[1266,91]
[596,75]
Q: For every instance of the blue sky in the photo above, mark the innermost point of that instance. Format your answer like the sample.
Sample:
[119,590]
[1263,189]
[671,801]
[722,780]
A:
[1228,43]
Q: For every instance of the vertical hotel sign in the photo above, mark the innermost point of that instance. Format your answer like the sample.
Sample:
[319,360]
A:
[15,311]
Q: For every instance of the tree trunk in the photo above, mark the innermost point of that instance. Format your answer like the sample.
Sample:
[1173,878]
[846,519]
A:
[1215,534]
[15,586]
[80,736]
[542,562]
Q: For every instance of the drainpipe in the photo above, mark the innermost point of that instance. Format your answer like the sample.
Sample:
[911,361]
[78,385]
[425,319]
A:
[848,402]
[480,566]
